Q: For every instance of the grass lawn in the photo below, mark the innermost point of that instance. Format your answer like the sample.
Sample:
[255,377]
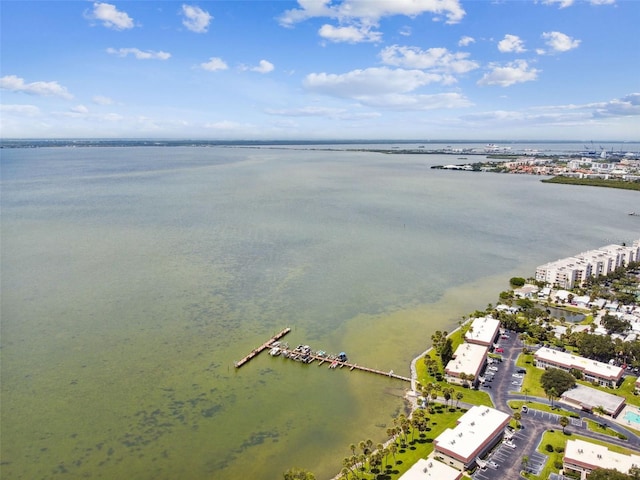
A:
[558,440]
[595,427]
[470,395]
[543,407]
[531,381]
[419,445]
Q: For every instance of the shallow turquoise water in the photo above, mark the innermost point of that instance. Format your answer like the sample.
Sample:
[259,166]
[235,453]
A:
[132,278]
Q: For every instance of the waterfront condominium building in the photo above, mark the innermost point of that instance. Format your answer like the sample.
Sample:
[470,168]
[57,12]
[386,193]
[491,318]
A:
[582,457]
[430,469]
[593,371]
[573,271]
[477,432]
[468,359]
[483,331]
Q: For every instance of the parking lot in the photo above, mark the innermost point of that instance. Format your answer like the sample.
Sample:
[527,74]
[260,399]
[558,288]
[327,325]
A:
[501,455]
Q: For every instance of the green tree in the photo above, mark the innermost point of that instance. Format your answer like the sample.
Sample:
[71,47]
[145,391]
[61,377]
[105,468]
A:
[564,421]
[613,324]
[446,352]
[558,380]
[517,281]
[608,474]
[298,474]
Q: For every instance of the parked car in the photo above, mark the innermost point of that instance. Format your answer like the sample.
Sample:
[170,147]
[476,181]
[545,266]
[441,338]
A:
[522,370]
[495,369]
[499,350]
[509,444]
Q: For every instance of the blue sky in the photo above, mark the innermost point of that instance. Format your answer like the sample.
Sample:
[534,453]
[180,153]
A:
[321,69]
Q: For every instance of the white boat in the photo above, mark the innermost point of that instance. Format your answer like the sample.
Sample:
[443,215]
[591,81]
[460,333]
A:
[275,351]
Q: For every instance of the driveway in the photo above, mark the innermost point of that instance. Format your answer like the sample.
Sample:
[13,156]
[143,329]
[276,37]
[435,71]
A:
[504,386]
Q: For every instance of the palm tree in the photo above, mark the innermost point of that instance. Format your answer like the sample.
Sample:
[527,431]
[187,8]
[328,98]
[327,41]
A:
[298,474]
[524,462]
[553,393]
[599,410]
[353,448]
[526,391]
[393,448]
[459,396]
[564,421]
[517,416]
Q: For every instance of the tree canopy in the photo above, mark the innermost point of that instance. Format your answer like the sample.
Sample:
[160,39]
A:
[517,281]
[298,474]
[555,381]
[612,474]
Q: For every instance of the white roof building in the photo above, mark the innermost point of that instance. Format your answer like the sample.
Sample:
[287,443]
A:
[573,271]
[483,331]
[477,431]
[430,469]
[469,359]
[587,398]
[583,457]
[605,374]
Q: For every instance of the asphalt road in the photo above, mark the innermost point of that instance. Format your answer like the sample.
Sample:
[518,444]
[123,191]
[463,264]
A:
[504,386]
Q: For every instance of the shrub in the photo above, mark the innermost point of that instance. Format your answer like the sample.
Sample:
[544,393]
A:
[559,449]
[549,448]
[558,464]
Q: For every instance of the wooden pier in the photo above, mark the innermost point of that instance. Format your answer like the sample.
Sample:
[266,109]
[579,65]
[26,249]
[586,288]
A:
[262,347]
[334,363]
[311,357]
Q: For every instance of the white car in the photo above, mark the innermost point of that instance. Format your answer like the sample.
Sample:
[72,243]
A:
[495,369]
[509,444]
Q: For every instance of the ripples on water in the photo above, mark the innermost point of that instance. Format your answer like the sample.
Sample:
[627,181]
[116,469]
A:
[132,278]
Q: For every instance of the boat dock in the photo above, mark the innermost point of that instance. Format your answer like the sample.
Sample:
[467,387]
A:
[304,354]
[262,347]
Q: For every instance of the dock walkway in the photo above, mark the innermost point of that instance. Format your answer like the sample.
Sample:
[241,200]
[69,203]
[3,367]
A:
[333,363]
[311,357]
[262,347]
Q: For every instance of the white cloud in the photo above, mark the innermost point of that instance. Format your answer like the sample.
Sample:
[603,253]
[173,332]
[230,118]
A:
[405,31]
[417,102]
[80,109]
[196,19]
[386,88]
[568,3]
[559,42]
[349,34]
[560,3]
[139,54]
[514,72]
[263,67]
[466,41]
[102,100]
[365,14]
[44,89]
[371,81]
[110,16]
[20,110]
[622,107]
[437,59]
[323,112]
[511,43]
[224,125]
[214,64]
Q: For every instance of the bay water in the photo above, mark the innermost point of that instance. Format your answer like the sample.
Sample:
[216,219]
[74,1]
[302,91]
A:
[133,278]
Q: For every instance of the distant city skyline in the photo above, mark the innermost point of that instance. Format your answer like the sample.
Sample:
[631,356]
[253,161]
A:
[321,69]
